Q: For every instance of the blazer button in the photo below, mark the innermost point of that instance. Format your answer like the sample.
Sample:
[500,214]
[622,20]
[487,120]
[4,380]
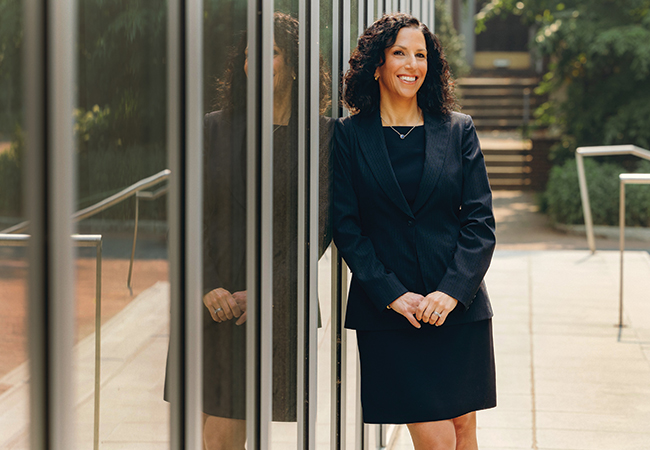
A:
[411,223]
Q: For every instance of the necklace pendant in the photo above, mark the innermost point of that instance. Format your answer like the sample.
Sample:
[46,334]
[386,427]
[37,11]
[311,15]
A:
[401,136]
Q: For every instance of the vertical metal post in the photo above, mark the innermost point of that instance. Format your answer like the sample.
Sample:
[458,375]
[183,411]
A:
[432,16]
[308,160]
[586,207]
[184,141]
[259,248]
[98,340]
[314,192]
[49,175]
[424,14]
[337,57]
[303,383]
[175,143]
[135,239]
[338,380]
[370,13]
[621,245]
[416,9]
[193,204]
[339,353]
[347,25]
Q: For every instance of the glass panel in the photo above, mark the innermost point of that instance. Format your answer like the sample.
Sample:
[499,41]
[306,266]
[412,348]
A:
[120,125]
[225,234]
[14,370]
[286,246]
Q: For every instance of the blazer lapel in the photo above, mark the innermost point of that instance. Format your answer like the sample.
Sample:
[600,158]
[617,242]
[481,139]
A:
[436,138]
[373,147]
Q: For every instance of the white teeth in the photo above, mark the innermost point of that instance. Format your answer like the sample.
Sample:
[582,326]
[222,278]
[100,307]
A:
[407,78]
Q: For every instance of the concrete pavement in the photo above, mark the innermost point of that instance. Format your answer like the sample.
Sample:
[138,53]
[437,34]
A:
[567,379]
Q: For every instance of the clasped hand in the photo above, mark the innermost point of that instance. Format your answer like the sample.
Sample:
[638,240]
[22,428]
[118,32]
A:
[225,306]
[432,309]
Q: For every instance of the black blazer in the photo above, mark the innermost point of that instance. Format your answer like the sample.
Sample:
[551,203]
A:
[444,242]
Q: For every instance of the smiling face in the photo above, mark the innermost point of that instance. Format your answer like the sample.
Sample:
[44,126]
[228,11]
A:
[405,66]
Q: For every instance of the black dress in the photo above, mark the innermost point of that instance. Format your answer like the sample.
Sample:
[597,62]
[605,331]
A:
[433,373]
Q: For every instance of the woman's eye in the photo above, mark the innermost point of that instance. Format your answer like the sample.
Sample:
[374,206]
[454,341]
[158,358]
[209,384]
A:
[398,52]
[421,55]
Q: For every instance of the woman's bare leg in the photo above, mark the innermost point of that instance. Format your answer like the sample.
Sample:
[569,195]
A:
[465,427]
[439,435]
[220,433]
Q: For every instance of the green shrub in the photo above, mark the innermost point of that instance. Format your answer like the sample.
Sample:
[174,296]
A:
[100,174]
[104,172]
[563,204]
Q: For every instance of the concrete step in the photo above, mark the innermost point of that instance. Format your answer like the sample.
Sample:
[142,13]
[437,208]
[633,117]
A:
[496,160]
[480,113]
[489,91]
[480,122]
[498,81]
[496,102]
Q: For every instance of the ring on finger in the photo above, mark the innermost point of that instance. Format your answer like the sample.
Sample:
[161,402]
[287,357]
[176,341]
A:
[216,311]
[438,314]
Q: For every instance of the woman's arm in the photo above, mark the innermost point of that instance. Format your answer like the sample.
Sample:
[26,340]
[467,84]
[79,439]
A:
[381,285]
[477,238]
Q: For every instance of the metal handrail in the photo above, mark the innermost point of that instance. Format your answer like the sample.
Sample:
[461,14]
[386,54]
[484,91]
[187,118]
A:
[625,178]
[82,240]
[106,203]
[11,237]
[603,150]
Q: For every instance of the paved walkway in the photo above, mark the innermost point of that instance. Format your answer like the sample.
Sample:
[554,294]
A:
[567,379]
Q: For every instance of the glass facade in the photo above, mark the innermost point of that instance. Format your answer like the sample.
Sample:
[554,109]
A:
[14,261]
[165,239]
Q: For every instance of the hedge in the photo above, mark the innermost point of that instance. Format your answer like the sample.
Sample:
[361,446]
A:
[563,204]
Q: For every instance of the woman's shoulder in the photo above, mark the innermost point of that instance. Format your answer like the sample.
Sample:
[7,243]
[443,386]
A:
[460,119]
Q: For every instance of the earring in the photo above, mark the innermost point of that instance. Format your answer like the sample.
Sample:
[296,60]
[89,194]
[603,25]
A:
[294,78]
[376,77]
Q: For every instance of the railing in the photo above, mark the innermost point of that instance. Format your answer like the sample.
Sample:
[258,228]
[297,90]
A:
[106,203]
[86,240]
[625,178]
[10,237]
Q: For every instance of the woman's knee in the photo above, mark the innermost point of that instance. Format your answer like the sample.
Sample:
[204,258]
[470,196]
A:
[465,422]
[433,435]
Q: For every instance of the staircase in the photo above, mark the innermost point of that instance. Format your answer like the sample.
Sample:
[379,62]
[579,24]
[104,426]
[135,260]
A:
[501,108]
[504,103]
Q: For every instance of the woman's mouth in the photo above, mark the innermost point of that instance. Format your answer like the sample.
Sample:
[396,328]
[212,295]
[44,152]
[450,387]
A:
[407,78]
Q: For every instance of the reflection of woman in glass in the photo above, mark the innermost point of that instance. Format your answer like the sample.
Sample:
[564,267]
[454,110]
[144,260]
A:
[224,275]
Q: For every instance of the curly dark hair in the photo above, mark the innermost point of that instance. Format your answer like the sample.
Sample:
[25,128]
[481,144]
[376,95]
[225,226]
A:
[361,95]
[231,87]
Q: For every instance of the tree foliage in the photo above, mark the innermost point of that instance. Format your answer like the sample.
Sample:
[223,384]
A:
[599,65]
[452,42]
[11,36]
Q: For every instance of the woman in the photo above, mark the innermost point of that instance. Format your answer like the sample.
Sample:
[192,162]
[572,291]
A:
[413,220]
[224,233]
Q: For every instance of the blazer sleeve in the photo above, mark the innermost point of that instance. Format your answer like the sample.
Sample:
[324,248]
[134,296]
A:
[477,238]
[380,284]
